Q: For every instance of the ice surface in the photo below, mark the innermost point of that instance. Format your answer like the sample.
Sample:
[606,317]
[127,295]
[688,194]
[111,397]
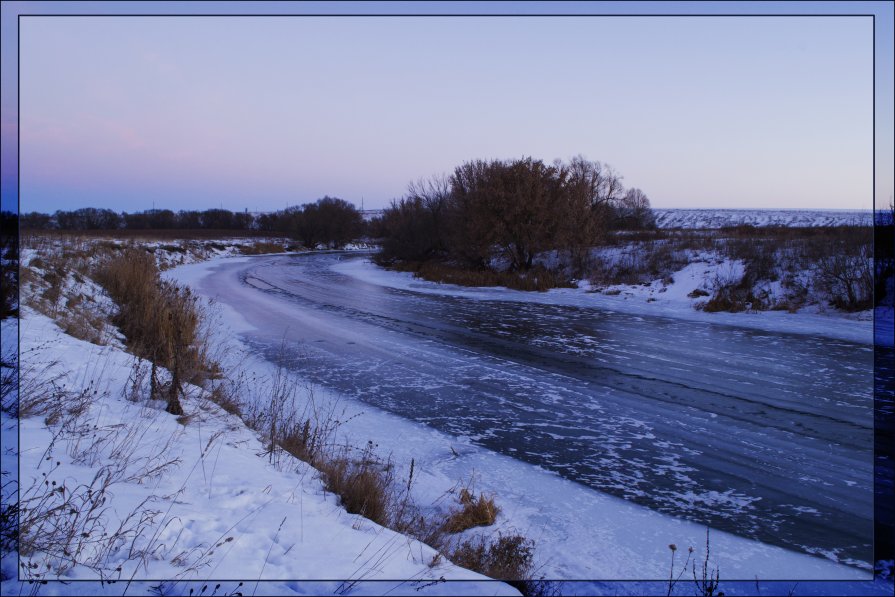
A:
[581,533]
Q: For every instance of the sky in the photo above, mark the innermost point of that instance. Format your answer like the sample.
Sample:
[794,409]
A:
[258,113]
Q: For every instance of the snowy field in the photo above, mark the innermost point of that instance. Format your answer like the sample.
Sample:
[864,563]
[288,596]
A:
[719,218]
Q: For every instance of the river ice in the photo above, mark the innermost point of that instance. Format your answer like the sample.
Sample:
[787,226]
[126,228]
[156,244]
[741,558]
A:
[605,435]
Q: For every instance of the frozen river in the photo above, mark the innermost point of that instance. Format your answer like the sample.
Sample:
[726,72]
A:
[764,435]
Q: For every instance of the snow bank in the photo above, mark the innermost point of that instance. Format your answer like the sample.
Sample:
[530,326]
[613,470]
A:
[656,298]
[214,507]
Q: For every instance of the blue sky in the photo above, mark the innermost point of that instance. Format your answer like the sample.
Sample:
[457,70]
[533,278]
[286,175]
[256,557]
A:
[259,113]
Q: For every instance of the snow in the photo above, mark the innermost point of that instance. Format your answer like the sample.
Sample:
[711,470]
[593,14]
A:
[656,298]
[798,218]
[218,508]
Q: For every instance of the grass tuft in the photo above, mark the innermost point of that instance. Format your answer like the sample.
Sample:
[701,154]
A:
[509,558]
[473,512]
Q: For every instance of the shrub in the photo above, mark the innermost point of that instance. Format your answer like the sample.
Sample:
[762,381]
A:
[848,280]
[538,278]
[261,248]
[9,255]
[642,263]
[159,319]
[732,299]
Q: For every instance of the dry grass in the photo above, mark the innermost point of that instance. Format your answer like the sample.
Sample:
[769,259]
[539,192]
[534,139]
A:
[538,278]
[63,524]
[365,485]
[509,557]
[473,512]
[226,401]
[298,428]
[828,264]
[293,425]
[9,386]
[368,485]
[54,285]
[159,319]
[262,248]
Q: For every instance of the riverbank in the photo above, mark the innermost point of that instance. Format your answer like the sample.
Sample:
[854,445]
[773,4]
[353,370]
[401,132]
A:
[671,301]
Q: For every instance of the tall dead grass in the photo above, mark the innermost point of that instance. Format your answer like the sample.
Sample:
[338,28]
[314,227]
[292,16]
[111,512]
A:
[644,262]
[159,319]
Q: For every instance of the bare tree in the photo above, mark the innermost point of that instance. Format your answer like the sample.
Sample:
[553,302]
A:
[529,210]
[469,223]
[588,206]
[433,195]
[514,209]
[633,210]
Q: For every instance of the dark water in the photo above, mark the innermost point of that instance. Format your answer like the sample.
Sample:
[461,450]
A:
[766,435]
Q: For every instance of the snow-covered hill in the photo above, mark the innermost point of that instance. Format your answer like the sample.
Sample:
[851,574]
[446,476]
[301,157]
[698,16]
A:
[718,218]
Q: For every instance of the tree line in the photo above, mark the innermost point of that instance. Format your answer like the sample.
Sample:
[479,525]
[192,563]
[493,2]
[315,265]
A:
[329,221]
[510,209]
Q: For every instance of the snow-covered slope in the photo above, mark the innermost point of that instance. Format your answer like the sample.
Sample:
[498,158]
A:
[192,498]
[718,218]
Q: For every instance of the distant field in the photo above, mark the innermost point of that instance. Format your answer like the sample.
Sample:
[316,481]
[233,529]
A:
[719,218]
[800,218]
